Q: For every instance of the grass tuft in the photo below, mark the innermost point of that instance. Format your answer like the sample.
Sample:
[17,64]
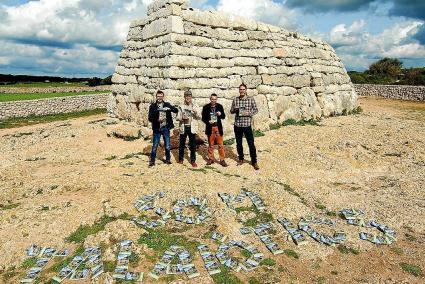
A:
[9,206]
[225,277]
[346,250]
[412,269]
[160,240]
[83,231]
[268,262]
[291,253]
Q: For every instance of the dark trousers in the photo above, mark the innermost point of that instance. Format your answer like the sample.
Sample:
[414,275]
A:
[249,135]
[192,144]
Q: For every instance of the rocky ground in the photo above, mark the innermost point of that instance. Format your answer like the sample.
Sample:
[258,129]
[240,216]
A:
[56,177]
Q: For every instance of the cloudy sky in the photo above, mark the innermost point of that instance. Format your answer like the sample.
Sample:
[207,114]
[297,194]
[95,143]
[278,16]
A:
[83,38]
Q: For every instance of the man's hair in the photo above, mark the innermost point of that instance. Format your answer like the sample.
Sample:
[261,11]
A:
[213,95]
[243,85]
[159,92]
[187,93]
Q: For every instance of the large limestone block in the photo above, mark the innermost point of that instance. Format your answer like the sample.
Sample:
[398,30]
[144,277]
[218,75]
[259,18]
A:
[159,4]
[162,26]
[218,20]
[262,119]
[299,107]
[252,81]
[282,91]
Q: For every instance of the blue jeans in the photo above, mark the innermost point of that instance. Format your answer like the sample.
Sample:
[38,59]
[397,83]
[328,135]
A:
[165,133]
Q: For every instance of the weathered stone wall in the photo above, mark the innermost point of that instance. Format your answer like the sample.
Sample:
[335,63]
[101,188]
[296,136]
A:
[177,48]
[52,106]
[15,90]
[412,93]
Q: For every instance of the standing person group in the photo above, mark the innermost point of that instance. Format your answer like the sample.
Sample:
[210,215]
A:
[243,106]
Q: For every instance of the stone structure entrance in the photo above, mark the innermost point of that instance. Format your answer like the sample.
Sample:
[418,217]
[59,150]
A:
[177,48]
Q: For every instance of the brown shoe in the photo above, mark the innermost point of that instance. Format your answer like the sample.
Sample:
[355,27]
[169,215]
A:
[241,162]
[180,162]
[256,167]
[194,165]
[223,163]
[168,162]
[151,164]
[210,162]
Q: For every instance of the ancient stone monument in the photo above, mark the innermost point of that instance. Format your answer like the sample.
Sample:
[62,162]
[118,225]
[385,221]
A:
[177,48]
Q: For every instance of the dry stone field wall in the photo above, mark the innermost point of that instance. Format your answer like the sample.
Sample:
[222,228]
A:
[177,48]
[411,93]
[14,90]
[52,106]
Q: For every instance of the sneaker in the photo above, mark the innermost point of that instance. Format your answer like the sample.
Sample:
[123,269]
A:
[180,162]
[210,162]
[241,162]
[256,167]
[194,164]
[151,164]
[223,163]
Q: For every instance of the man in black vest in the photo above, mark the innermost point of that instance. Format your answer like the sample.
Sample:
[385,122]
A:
[212,114]
[162,121]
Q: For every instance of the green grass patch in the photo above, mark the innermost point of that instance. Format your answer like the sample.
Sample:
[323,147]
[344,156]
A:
[9,274]
[37,96]
[412,269]
[83,231]
[134,259]
[397,251]
[291,253]
[347,250]
[275,126]
[331,213]
[160,240]
[44,85]
[261,217]
[110,158]
[268,262]
[247,209]
[29,262]
[61,264]
[292,191]
[132,155]
[201,170]
[246,253]
[320,206]
[226,277]
[229,141]
[253,280]
[289,122]
[321,280]
[357,110]
[32,120]
[9,206]
[258,133]
[109,266]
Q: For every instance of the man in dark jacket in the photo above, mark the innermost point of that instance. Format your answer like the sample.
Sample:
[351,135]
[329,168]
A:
[162,122]
[212,114]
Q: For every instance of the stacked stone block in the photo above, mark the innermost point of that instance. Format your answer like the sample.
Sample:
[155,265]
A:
[177,48]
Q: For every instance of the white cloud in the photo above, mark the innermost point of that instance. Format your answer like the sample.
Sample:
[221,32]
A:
[359,48]
[341,35]
[262,10]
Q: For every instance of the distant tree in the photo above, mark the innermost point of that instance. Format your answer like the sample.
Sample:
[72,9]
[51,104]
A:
[95,81]
[414,76]
[107,81]
[387,67]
